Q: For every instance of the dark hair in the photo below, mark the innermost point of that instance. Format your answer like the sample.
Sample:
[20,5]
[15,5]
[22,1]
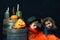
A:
[48,19]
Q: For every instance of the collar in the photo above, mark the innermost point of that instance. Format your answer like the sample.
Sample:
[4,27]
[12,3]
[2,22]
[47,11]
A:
[46,31]
[33,30]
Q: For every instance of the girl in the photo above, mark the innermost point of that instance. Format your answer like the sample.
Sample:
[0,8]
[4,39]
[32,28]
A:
[33,31]
[48,29]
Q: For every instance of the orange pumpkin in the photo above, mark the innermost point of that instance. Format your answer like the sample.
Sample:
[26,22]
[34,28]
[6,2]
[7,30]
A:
[14,17]
[19,24]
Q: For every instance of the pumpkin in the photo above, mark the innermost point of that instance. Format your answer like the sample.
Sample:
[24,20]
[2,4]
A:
[19,24]
[14,17]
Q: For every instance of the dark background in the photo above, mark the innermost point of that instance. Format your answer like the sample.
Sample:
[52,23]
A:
[38,8]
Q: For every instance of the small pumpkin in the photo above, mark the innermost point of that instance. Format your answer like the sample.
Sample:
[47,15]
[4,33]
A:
[19,24]
[14,17]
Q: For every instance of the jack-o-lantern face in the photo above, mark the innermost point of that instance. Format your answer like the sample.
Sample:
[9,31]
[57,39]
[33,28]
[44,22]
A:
[19,24]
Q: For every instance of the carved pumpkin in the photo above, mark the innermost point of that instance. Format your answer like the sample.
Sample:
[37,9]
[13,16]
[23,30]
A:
[19,24]
[14,17]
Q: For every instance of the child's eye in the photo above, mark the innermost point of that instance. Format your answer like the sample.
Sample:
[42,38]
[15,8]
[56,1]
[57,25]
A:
[48,23]
[34,25]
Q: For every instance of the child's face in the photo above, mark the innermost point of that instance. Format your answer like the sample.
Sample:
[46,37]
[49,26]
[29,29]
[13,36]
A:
[34,25]
[48,24]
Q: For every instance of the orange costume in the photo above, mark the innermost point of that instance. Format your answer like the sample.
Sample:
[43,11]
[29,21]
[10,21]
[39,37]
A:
[42,36]
[36,35]
[32,34]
